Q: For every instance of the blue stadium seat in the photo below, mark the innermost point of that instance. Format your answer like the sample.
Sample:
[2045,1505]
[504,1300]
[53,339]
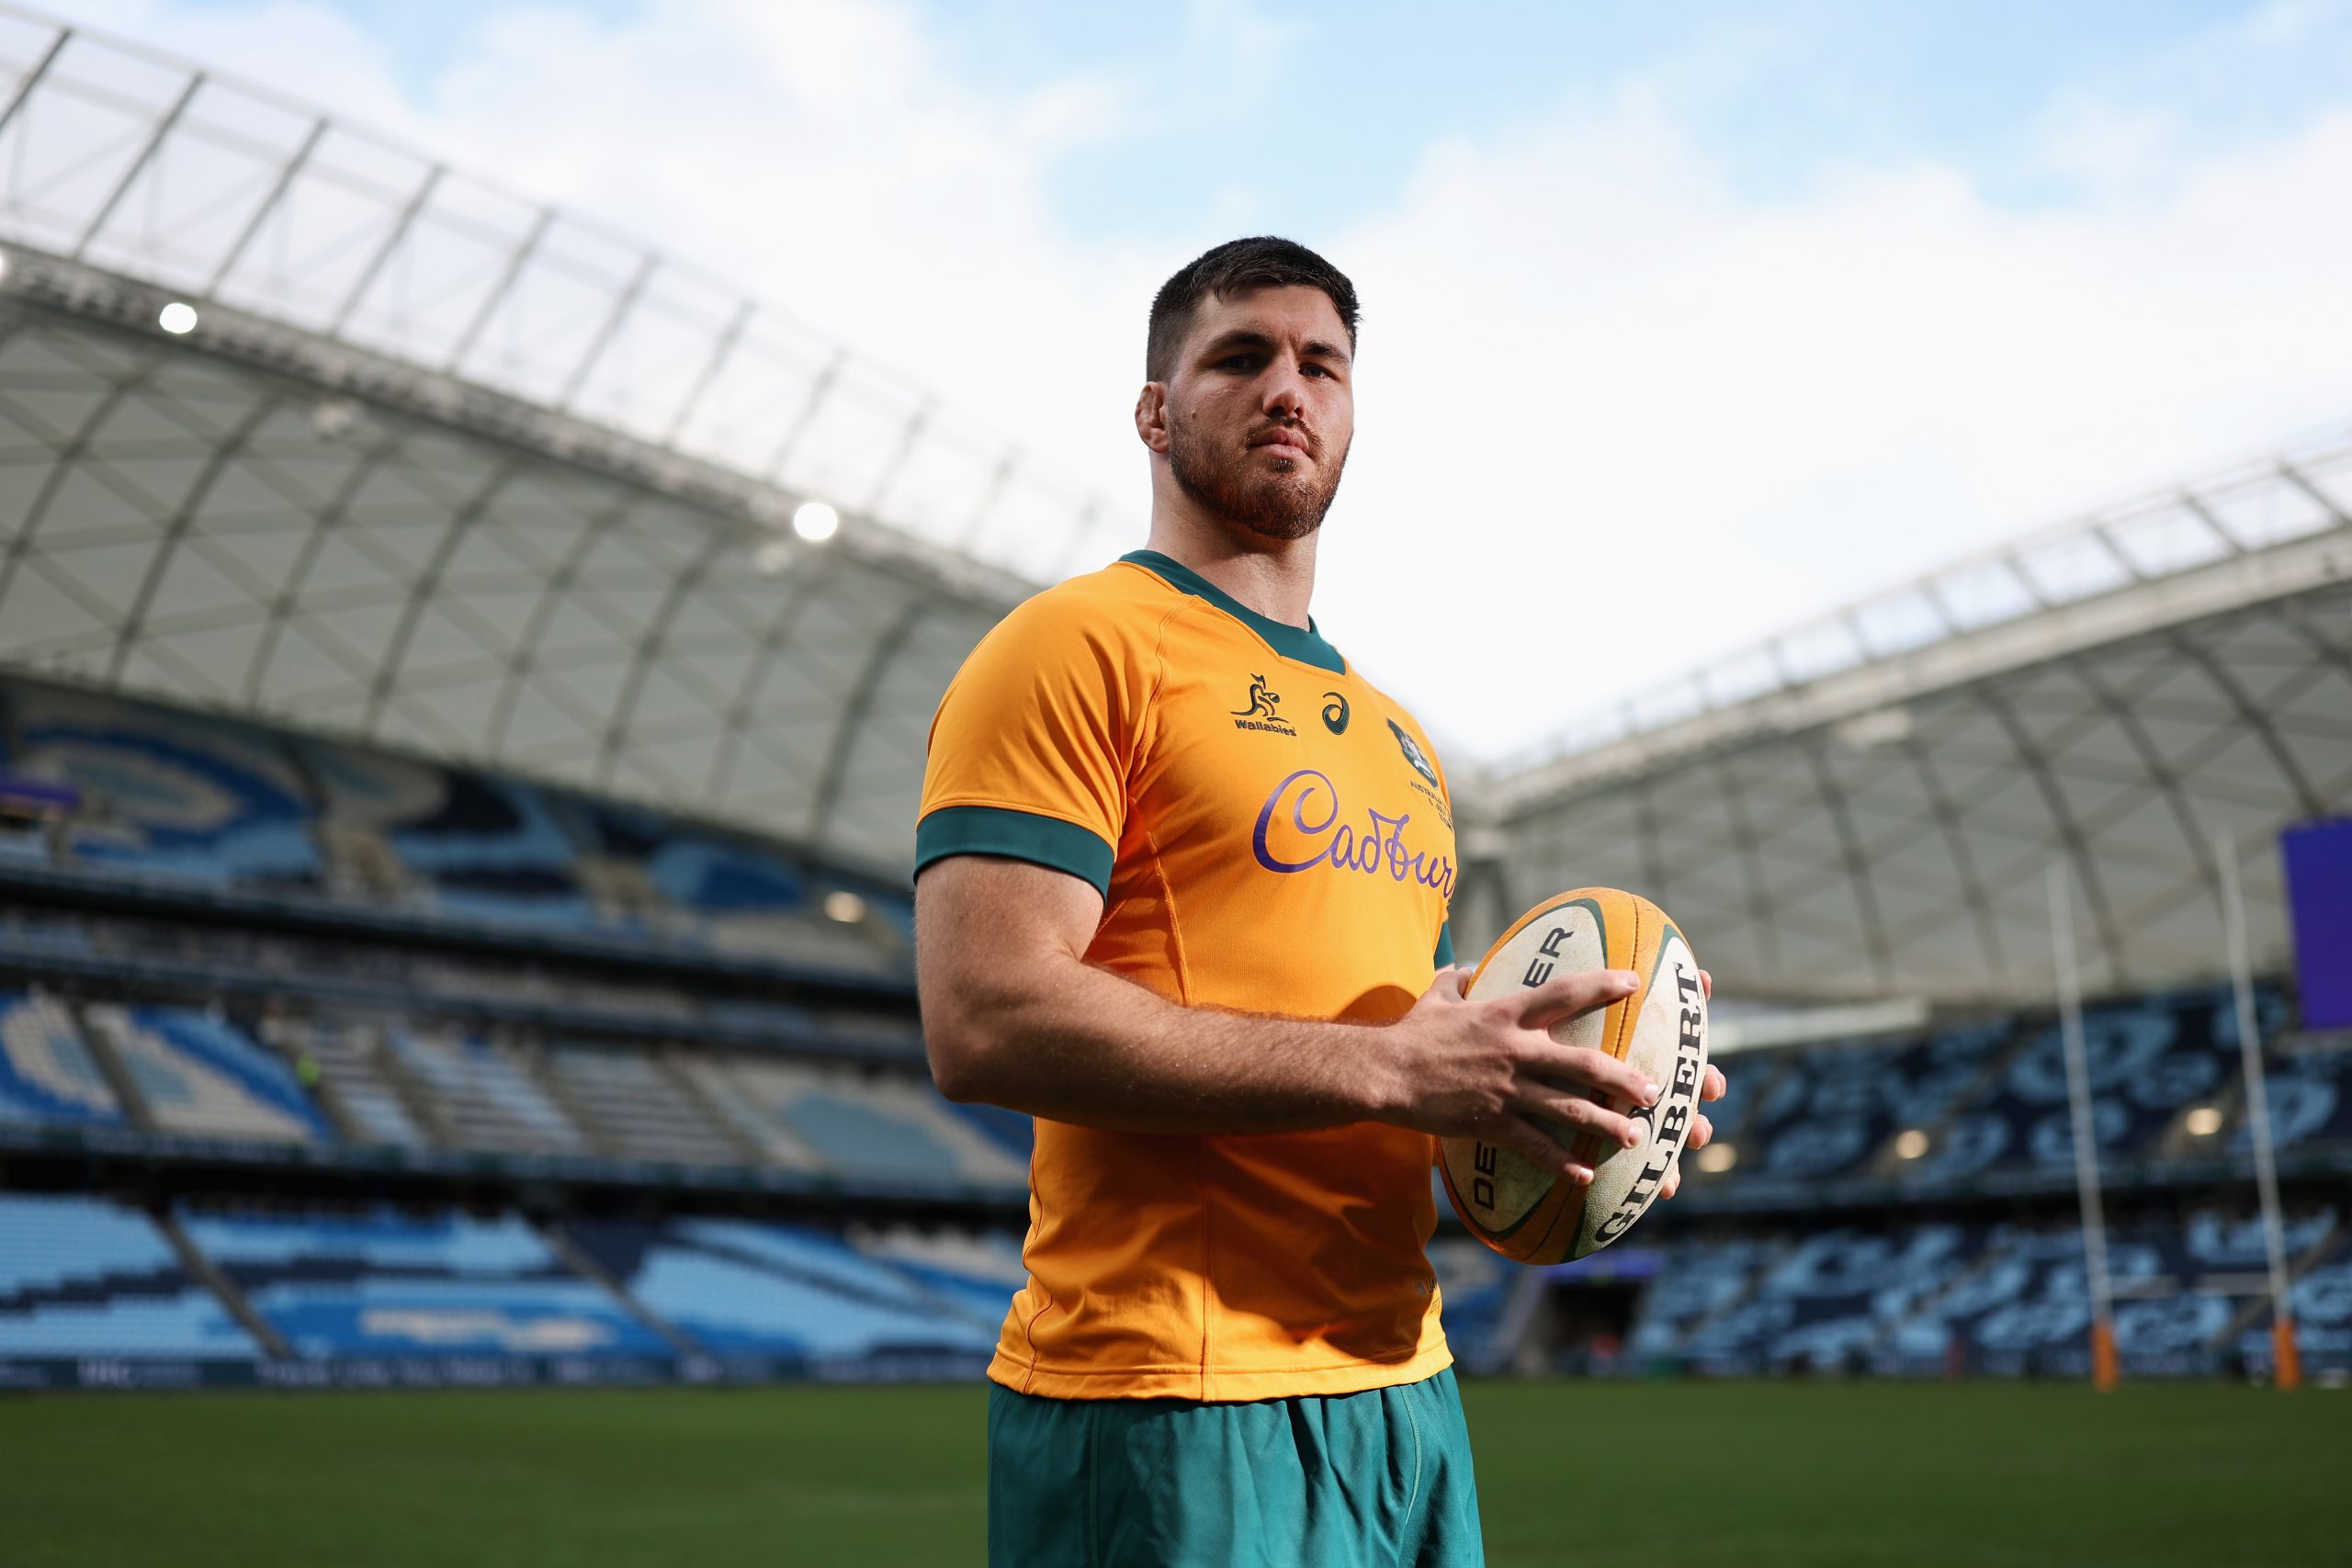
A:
[1831,1109]
[352,1065]
[747,1289]
[878,1127]
[1830,1301]
[1011,1131]
[482,1093]
[723,878]
[2322,1300]
[488,848]
[981,1270]
[642,1113]
[1473,1285]
[2147,1063]
[386,1283]
[47,1073]
[204,798]
[1700,1278]
[80,1276]
[2311,1100]
[199,1072]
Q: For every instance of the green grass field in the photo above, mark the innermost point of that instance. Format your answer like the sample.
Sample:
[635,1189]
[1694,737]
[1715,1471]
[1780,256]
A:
[1816,1474]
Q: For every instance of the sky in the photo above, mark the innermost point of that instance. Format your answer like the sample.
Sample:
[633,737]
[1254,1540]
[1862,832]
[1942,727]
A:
[1683,324]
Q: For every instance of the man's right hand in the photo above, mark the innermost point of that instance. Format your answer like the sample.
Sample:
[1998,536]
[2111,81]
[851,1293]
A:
[1489,1070]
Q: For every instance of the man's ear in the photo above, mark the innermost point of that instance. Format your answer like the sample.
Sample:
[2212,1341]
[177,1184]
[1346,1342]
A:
[1151,415]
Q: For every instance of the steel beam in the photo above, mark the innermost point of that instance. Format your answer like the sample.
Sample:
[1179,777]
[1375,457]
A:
[623,304]
[163,128]
[516,262]
[393,239]
[288,174]
[850,724]
[34,77]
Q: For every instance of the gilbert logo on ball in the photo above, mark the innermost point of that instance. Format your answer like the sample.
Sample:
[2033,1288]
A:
[1523,1211]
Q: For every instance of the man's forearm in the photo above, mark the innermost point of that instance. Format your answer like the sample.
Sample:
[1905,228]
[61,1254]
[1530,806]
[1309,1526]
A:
[1099,1051]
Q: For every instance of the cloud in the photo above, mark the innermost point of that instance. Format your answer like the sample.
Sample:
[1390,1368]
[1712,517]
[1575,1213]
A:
[1618,409]
[1615,417]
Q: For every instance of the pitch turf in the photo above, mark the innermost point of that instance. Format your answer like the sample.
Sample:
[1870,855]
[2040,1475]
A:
[1639,1476]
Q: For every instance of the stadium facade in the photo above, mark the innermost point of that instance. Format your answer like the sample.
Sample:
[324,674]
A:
[455,806]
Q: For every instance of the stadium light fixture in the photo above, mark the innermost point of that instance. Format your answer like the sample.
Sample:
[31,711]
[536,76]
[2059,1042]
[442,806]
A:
[1716,1158]
[845,905]
[814,521]
[1910,1143]
[2204,1121]
[1880,727]
[178,317]
[330,417]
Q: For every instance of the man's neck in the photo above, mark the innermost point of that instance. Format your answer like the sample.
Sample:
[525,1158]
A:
[1273,577]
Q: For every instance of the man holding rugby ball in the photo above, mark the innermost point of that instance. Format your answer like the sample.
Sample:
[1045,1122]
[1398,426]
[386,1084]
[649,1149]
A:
[1182,888]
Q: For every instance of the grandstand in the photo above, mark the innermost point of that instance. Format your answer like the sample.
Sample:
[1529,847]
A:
[454,830]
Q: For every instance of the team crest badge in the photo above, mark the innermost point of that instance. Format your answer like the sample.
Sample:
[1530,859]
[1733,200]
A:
[1413,752]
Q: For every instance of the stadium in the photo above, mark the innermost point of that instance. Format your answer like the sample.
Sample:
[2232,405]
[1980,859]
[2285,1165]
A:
[464,687]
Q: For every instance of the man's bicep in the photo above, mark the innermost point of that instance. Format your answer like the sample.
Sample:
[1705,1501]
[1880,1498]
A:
[997,941]
[980,916]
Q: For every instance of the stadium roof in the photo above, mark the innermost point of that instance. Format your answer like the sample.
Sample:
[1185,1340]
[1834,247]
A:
[1866,805]
[443,467]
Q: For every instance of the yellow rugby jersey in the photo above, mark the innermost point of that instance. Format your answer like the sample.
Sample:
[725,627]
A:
[1269,834]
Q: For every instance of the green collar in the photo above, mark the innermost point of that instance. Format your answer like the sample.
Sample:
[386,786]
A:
[1307,647]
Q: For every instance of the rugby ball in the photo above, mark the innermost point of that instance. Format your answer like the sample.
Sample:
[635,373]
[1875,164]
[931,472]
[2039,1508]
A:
[1523,1211]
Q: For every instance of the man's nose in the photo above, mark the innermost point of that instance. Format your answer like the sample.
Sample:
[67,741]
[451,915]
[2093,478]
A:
[1285,390]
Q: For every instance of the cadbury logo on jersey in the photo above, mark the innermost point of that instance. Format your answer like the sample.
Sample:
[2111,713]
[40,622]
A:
[1316,837]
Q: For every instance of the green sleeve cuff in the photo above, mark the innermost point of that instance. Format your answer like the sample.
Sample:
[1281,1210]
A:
[1013,835]
[1445,945]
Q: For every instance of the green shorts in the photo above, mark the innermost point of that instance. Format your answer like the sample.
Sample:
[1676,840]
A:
[1348,1481]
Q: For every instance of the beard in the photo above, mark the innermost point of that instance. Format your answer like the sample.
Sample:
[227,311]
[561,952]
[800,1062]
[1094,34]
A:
[1281,505]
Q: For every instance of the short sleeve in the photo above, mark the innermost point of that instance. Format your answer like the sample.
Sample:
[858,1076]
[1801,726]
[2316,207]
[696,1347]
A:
[1031,749]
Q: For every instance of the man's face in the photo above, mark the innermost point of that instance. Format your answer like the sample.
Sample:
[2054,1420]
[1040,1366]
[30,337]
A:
[1260,409]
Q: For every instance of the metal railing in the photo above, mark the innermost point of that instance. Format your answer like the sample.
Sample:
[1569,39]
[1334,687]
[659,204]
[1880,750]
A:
[126,160]
[2304,490]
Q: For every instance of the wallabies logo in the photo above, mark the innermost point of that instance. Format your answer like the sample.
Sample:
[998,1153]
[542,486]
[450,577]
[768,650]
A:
[1260,713]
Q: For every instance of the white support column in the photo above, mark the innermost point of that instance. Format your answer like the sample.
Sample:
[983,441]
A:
[2258,1106]
[2078,1097]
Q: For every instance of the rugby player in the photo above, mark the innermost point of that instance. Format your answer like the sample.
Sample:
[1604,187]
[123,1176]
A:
[1182,886]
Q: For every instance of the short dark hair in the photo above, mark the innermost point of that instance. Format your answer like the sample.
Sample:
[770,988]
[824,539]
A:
[1238,266]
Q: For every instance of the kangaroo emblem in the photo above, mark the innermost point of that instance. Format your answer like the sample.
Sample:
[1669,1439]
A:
[1263,701]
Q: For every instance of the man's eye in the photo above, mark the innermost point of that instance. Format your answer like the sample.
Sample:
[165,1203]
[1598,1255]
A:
[1239,362]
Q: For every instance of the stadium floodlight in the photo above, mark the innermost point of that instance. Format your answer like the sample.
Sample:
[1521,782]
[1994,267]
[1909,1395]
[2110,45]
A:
[178,317]
[2204,1121]
[1910,1143]
[815,521]
[1715,1158]
[845,905]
